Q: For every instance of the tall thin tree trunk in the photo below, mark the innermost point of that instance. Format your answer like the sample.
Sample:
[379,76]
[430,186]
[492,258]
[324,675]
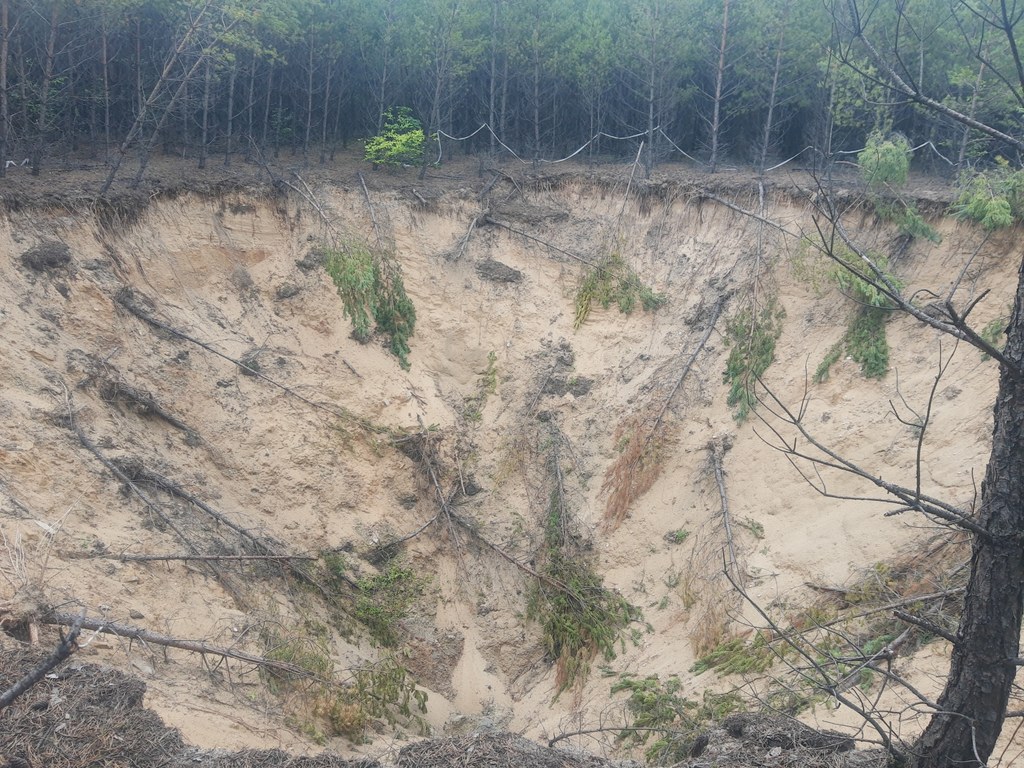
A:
[309,101]
[186,123]
[326,105]
[231,114]
[146,147]
[766,139]
[105,66]
[205,134]
[962,156]
[140,102]
[44,90]
[492,85]
[250,104]
[5,118]
[716,114]
[265,133]
[536,96]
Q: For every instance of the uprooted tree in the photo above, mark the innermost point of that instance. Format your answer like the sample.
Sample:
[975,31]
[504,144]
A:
[969,714]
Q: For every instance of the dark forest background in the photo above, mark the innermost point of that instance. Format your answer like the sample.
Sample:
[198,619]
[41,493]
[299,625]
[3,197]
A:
[739,81]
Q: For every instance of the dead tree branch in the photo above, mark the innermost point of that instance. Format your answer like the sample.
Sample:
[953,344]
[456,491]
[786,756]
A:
[68,645]
[552,246]
[125,298]
[193,646]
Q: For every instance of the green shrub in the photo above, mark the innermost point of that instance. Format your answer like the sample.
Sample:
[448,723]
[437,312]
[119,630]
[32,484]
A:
[994,333]
[752,338]
[736,657]
[399,142]
[821,373]
[579,616]
[371,288]
[384,600]
[993,198]
[614,281]
[865,339]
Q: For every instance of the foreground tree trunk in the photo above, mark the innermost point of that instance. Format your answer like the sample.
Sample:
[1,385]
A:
[972,707]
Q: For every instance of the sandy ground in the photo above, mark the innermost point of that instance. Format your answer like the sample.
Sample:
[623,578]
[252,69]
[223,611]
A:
[289,455]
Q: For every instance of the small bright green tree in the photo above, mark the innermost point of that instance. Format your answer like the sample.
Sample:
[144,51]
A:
[400,140]
[885,161]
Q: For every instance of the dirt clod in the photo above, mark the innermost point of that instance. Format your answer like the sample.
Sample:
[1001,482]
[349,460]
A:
[47,255]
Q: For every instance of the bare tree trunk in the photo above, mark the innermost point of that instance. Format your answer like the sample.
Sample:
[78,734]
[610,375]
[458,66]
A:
[250,103]
[309,101]
[716,113]
[146,150]
[105,66]
[5,118]
[140,102]
[231,114]
[773,93]
[492,85]
[205,132]
[326,105]
[265,133]
[962,156]
[536,96]
[44,90]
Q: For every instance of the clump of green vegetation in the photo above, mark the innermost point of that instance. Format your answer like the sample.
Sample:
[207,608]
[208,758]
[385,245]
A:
[678,536]
[371,288]
[400,141]
[614,281]
[994,198]
[579,616]
[884,164]
[885,161]
[821,373]
[660,711]
[384,600]
[736,657]
[486,386]
[994,333]
[752,337]
[304,647]
[865,339]
[755,528]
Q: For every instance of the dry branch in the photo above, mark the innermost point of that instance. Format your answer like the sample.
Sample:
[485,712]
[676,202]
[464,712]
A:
[193,646]
[68,645]
[125,298]
[717,450]
[144,402]
[200,558]
[369,205]
[552,246]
